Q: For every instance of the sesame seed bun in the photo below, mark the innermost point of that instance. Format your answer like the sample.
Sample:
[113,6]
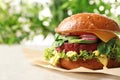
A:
[91,23]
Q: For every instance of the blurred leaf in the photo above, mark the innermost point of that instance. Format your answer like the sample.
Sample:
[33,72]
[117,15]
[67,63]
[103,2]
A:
[12,20]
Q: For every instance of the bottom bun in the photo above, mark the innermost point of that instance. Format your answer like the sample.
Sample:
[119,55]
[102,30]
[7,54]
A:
[89,63]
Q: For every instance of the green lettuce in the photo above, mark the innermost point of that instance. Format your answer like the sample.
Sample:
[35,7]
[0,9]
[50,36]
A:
[111,48]
[116,50]
[105,48]
[49,53]
[60,39]
[86,55]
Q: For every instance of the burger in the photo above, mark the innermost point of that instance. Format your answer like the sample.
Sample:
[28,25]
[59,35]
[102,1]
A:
[85,40]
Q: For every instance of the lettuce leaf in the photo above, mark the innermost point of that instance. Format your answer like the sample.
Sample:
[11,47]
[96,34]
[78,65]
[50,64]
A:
[116,50]
[111,48]
[58,43]
[48,54]
[60,39]
[105,48]
[86,55]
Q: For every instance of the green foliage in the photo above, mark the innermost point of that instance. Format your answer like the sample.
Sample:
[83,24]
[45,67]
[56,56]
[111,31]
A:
[16,25]
[13,30]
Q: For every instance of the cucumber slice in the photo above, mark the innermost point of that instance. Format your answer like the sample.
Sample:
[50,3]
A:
[65,38]
[72,37]
[81,41]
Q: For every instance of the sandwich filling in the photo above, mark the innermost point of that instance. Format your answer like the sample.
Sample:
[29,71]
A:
[85,46]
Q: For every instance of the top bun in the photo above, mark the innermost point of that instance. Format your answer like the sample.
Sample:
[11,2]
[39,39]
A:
[88,22]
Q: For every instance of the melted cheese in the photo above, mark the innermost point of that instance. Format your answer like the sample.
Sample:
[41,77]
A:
[96,52]
[104,60]
[71,53]
[105,36]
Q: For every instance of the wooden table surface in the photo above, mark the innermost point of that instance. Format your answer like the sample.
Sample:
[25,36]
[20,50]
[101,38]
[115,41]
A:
[15,66]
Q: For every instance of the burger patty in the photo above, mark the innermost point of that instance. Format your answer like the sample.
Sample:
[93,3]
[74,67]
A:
[76,47]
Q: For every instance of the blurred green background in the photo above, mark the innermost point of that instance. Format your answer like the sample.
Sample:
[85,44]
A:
[24,19]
